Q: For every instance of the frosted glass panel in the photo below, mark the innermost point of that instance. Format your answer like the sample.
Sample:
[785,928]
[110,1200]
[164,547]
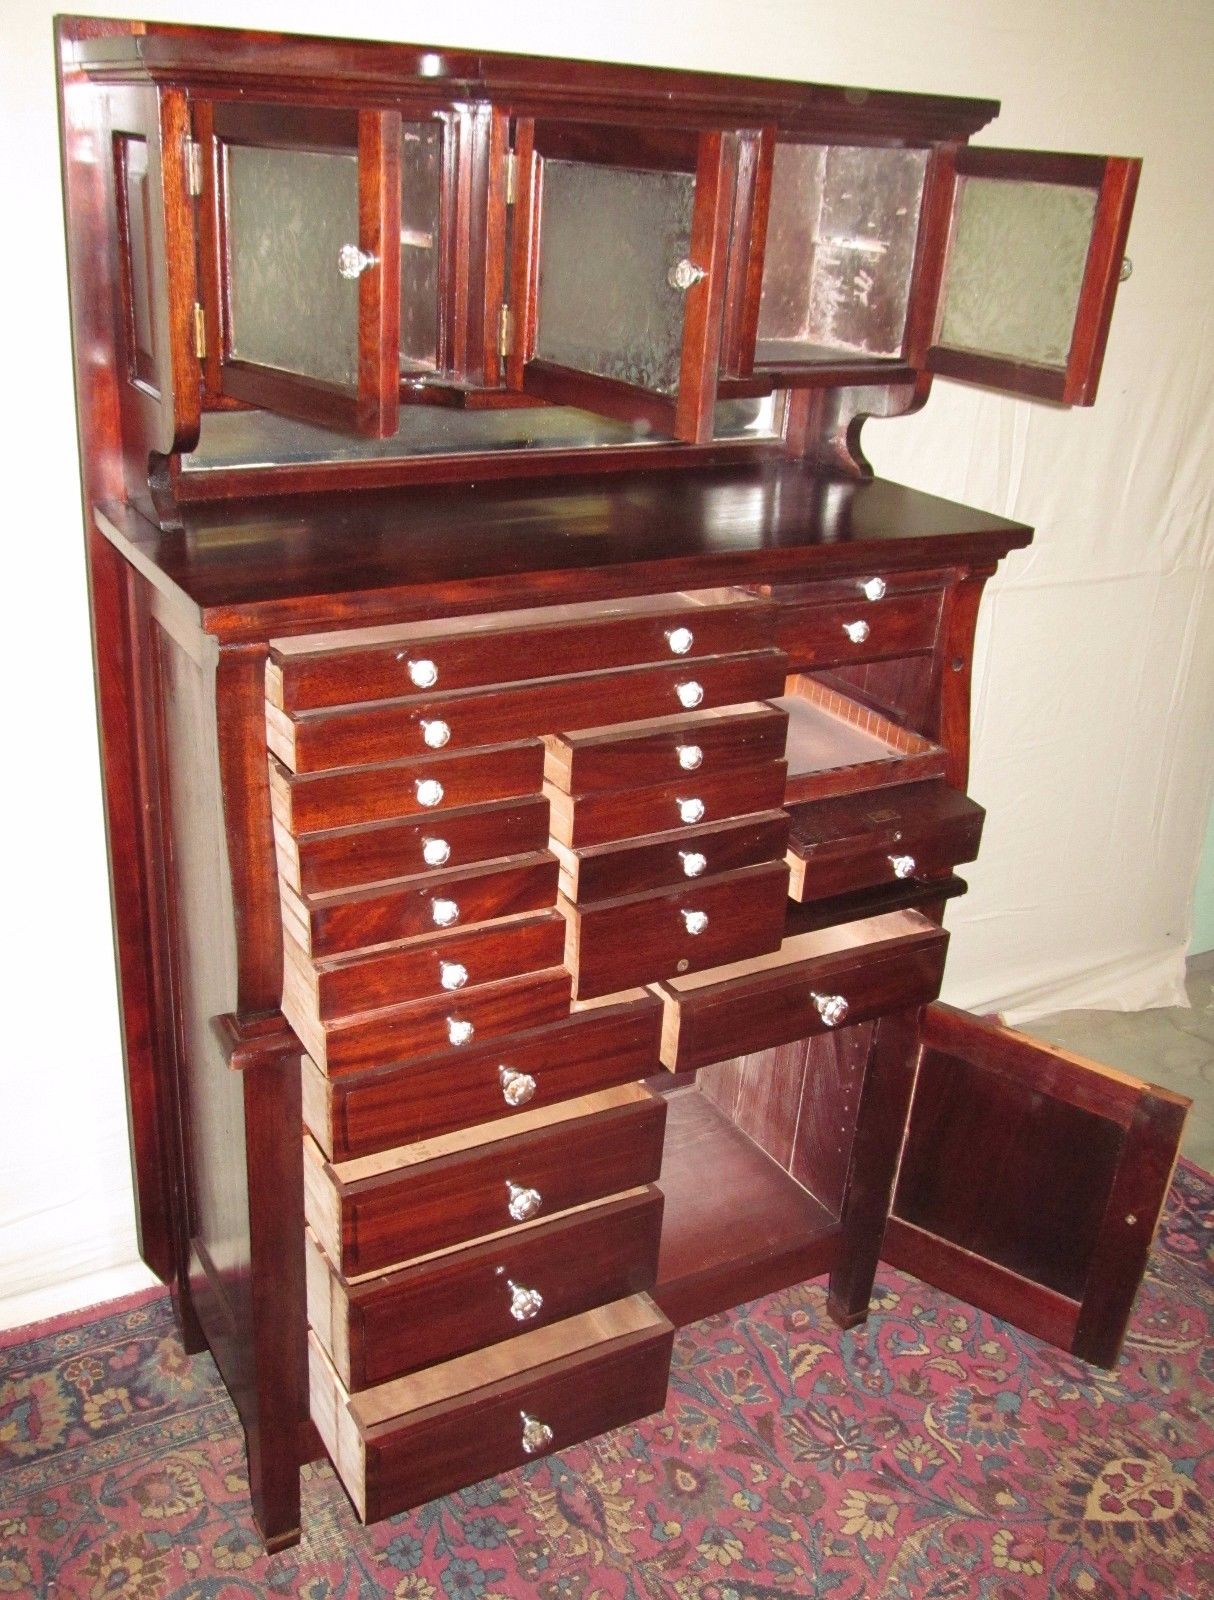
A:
[608,238]
[1016,269]
[420,204]
[289,213]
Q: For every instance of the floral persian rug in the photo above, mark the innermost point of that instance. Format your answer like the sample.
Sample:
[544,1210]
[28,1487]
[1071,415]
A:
[933,1453]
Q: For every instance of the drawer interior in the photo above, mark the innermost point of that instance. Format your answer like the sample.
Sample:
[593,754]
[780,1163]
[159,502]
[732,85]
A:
[838,745]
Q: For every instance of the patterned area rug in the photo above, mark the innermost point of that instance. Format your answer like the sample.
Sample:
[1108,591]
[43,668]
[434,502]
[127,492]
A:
[934,1453]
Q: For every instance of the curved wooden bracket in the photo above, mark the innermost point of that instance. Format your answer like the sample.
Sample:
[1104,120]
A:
[824,424]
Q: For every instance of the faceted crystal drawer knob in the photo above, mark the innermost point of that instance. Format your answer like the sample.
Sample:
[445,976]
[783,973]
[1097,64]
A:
[444,912]
[429,791]
[695,921]
[522,1203]
[517,1087]
[684,273]
[904,866]
[452,974]
[680,640]
[459,1030]
[690,757]
[537,1435]
[691,810]
[873,588]
[524,1303]
[436,733]
[690,694]
[693,863]
[353,262]
[832,1008]
[436,852]
[423,674]
[857,632]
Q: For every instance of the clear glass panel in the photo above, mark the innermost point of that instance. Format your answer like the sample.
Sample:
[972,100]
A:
[840,248]
[608,238]
[421,154]
[1016,269]
[289,213]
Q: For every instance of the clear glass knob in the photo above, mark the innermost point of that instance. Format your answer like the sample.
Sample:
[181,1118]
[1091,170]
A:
[857,632]
[695,921]
[690,757]
[436,733]
[684,273]
[873,588]
[452,974]
[691,810]
[517,1087]
[537,1435]
[423,674]
[832,1008]
[444,912]
[353,262]
[690,694]
[524,1303]
[459,1030]
[521,1203]
[436,852]
[680,640]
[693,863]
[904,866]
[429,791]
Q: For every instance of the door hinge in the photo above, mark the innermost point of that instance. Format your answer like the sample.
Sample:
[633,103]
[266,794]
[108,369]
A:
[505,331]
[511,176]
[193,168]
[200,332]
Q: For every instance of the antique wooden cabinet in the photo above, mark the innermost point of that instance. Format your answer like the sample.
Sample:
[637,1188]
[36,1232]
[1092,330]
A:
[535,747]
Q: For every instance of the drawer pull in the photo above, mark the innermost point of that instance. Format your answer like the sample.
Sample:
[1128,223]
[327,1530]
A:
[857,632]
[517,1087]
[832,1008]
[353,262]
[444,912]
[904,866]
[693,863]
[691,810]
[452,974]
[423,674]
[680,640]
[436,733]
[695,921]
[522,1203]
[436,852]
[429,791]
[459,1030]
[537,1435]
[524,1303]
[873,588]
[690,757]
[690,693]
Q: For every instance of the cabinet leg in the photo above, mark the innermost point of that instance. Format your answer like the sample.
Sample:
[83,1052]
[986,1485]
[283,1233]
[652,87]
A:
[192,1337]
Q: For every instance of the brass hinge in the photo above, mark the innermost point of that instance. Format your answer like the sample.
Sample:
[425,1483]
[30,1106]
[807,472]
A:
[193,168]
[511,176]
[200,332]
[505,331]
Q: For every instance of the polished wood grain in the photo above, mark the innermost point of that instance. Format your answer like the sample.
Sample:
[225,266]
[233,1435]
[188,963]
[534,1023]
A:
[815,636]
[605,872]
[609,816]
[627,756]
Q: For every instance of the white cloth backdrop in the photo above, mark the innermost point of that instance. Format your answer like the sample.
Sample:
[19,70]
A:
[1094,682]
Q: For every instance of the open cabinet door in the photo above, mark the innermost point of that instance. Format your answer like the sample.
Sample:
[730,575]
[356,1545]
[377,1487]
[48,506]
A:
[1030,251]
[302,213]
[1031,1182]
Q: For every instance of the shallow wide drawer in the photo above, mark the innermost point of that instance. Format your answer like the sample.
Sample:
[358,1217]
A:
[639,938]
[389,730]
[609,816]
[508,646]
[636,755]
[846,973]
[416,788]
[598,1047]
[381,1210]
[411,1440]
[384,913]
[827,636]
[399,1321]
[604,871]
[913,830]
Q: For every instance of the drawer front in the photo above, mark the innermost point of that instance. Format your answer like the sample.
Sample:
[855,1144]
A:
[377,1110]
[603,818]
[416,788]
[485,1293]
[603,872]
[389,730]
[643,938]
[821,636]
[673,749]
[386,913]
[507,652]
[344,858]
[410,1211]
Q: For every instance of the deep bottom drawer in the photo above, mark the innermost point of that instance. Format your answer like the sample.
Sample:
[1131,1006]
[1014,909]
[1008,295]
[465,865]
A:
[411,1440]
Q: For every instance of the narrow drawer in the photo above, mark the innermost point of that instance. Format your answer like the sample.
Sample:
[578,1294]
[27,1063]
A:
[598,1047]
[636,755]
[814,981]
[403,1443]
[384,913]
[640,938]
[605,871]
[388,730]
[344,858]
[425,1027]
[417,788]
[913,830]
[396,1322]
[506,647]
[381,1210]
[609,816]
[826,636]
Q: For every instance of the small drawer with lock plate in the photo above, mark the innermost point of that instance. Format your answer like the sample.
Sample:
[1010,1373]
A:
[814,636]
[635,755]
[609,816]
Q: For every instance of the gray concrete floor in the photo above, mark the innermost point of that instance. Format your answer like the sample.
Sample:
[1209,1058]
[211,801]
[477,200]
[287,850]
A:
[1171,1046]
